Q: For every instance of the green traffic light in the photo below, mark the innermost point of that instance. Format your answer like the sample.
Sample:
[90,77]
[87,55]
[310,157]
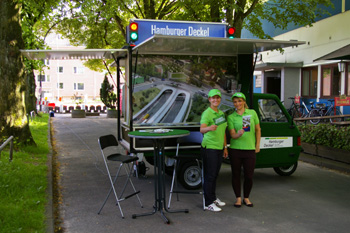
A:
[134,36]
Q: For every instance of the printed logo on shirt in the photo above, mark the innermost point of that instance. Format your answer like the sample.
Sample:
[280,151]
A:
[219,120]
[246,123]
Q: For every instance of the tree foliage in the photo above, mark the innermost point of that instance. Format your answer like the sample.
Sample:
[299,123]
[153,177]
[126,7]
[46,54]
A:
[108,97]
[102,23]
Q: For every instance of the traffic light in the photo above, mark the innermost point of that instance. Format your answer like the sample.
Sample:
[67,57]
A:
[230,32]
[133,32]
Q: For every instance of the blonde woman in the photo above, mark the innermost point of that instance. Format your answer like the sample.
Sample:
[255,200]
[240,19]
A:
[245,132]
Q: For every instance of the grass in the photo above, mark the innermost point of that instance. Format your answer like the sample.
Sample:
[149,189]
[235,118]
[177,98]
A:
[23,183]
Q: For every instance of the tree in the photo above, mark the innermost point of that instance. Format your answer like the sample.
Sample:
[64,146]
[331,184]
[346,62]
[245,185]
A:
[250,13]
[108,97]
[13,120]
[102,23]
[18,31]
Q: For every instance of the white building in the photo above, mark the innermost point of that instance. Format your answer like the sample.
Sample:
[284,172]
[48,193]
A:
[66,82]
[318,70]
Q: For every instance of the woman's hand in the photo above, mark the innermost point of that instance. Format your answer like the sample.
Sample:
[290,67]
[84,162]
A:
[212,127]
[257,149]
[240,132]
[225,153]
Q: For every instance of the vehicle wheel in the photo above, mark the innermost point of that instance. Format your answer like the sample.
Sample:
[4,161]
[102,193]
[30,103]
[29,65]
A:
[337,113]
[314,113]
[190,175]
[287,170]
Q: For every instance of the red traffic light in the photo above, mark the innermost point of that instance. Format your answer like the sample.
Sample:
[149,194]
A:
[231,32]
[134,26]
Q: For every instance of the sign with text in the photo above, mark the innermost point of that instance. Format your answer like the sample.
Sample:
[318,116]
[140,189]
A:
[342,101]
[275,142]
[148,28]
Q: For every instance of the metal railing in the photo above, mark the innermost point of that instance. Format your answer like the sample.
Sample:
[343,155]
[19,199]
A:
[9,140]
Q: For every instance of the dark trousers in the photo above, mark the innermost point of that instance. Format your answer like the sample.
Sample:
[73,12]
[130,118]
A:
[245,159]
[212,160]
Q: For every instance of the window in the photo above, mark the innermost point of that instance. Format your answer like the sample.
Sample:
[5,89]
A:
[331,81]
[78,70]
[78,86]
[258,81]
[270,111]
[47,62]
[60,69]
[60,86]
[309,82]
[43,78]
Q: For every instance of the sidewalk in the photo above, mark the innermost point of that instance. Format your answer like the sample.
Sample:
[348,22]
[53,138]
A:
[311,200]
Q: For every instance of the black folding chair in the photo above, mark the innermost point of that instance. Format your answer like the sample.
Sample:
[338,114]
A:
[195,138]
[108,145]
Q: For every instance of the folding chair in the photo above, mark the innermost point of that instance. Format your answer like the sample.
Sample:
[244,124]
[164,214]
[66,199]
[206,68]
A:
[195,138]
[107,144]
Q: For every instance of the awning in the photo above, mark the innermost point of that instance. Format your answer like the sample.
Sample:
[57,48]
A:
[170,45]
[277,65]
[340,54]
[69,54]
[181,45]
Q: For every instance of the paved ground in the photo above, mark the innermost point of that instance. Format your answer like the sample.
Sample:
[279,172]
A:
[313,199]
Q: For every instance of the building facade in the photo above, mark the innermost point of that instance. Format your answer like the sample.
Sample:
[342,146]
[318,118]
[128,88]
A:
[68,82]
[317,71]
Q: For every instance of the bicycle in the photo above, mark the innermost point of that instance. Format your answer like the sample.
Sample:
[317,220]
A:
[321,109]
[294,109]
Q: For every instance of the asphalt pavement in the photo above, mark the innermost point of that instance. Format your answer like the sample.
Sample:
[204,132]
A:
[313,199]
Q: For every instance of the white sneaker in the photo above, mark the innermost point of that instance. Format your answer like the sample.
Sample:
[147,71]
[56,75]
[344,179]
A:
[219,203]
[213,207]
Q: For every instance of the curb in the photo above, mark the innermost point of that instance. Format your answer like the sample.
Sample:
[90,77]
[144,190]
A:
[49,206]
[324,162]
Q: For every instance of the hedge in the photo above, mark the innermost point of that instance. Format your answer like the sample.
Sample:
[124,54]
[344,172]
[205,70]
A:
[327,135]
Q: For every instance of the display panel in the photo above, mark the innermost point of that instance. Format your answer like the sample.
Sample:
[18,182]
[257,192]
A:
[173,90]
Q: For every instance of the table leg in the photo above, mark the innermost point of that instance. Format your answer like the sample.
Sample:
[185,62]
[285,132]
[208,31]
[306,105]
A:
[163,184]
[159,183]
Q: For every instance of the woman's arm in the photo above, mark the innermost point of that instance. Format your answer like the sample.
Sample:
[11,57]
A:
[204,128]
[257,138]
[235,134]
[225,147]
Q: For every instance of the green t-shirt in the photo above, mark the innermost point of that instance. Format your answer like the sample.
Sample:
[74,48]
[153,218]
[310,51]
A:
[247,121]
[214,139]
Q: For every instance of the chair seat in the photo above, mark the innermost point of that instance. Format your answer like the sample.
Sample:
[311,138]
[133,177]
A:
[122,158]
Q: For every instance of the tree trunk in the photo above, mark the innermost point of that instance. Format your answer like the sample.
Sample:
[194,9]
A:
[30,99]
[13,120]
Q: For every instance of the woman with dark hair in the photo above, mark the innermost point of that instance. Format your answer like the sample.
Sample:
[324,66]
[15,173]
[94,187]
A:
[213,127]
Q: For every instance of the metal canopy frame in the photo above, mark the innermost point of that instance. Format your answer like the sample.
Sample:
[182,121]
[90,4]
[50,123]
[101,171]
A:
[71,54]
[182,45]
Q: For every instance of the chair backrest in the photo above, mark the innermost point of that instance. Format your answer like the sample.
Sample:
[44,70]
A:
[107,140]
[195,137]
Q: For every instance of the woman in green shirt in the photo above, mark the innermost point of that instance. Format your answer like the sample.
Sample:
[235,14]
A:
[245,132]
[213,126]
